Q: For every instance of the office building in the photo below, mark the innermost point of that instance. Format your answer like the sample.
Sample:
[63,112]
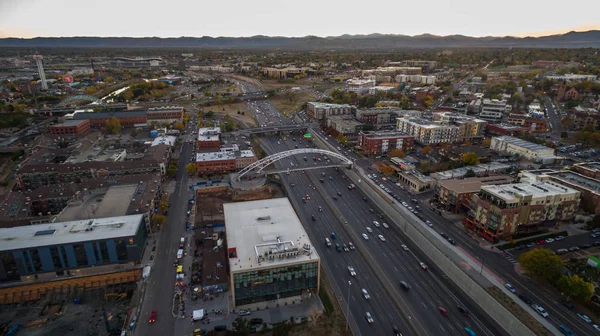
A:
[345,125]
[528,122]
[70,127]
[360,86]
[455,195]
[270,254]
[416,181]
[501,211]
[522,148]
[492,168]
[322,111]
[383,116]
[470,128]
[377,143]
[227,159]
[209,138]
[282,73]
[494,109]
[427,132]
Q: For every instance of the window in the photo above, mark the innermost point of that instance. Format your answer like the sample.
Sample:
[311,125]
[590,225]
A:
[35,257]
[10,266]
[80,255]
[121,246]
[54,252]
[104,251]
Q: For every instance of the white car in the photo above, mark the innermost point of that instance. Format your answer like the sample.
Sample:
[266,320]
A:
[383,178]
[405,204]
[540,310]
[382,238]
[351,270]
[405,247]
[398,184]
[597,327]
[585,318]
[369,317]
[549,240]
[429,223]
[365,236]
[369,230]
[385,225]
[366,294]
[510,288]
[381,186]
[243,312]
[423,266]
[376,223]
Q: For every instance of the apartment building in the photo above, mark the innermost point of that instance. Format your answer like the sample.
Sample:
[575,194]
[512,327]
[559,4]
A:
[529,123]
[494,109]
[469,127]
[377,143]
[70,127]
[455,195]
[525,149]
[427,132]
[360,86]
[580,117]
[501,211]
[346,125]
[322,111]
[381,116]
[282,73]
[421,79]
[227,159]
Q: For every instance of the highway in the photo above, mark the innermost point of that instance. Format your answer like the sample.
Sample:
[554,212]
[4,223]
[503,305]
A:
[381,265]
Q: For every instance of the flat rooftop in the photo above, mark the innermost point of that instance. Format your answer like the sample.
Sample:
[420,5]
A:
[509,192]
[386,135]
[214,156]
[590,165]
[328,105]
[473,184]
[50,234]
[459,172]
[522,143]
[209,134]
[577,180]
[270,228]
[70,123]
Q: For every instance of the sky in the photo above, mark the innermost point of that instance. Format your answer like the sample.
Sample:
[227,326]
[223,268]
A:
[176,18]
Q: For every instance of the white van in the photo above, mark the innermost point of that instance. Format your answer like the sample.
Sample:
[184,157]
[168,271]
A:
[181,242]
[327,242]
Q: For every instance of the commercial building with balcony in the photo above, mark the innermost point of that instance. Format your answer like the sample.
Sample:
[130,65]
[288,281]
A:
[70,127]
[455,194]
[270,255]
[377,143]
[322,111]
[528,150]
[494,109]
[501,211]
[426,132]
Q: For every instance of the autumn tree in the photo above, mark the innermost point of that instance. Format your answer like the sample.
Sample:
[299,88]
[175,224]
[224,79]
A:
[179,126]
[386,170]
[470,158]
[113,126]
[428,101]
[575,287]
[158,220]
[426,150]
[397,153]
[163,206]
[191,168]
[486,142]
[542,263]
[342,139]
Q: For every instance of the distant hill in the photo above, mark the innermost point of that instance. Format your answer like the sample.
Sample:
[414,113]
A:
[588,39]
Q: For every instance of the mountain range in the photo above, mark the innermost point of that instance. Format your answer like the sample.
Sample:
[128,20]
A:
[587,39]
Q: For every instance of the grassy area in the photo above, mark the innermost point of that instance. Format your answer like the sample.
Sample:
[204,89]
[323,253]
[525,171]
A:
[532,240]
[274,84]
[518,311]
[292,102]
[326,301]
[232,110]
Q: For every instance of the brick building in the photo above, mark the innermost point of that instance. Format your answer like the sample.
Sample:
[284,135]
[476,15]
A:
[377,143]
[130,118]
[70,127]
[215,162]
[455,194]
[209,138]
[566,92]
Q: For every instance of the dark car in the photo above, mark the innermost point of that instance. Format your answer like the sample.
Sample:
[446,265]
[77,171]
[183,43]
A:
[220,328]
[313,218]
[364,199]
[256,321]
[404,286]
[339,194]
[443,235]
[567,304]
[463,310]
[525,298]
[397,331]
[451,241]
[585,246]
[338,247]
[335,198]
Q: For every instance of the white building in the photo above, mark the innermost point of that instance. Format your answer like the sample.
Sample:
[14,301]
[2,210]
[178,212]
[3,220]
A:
[270,255]
[427,132]
[572,77]
[416,79]
[535,109]
[322,111]
[81,71]
[359,85]
[376,89]
[526,149]
[494,109]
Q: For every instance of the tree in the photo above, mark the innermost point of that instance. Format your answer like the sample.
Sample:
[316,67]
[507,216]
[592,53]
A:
[242,327]
[426,150]
[342,139]
[163,206]
[542,263]
[113,126]
[486,142]
[397,153]
[171,172]
[191,168]
[405,103]
[158,220]
[179,126]
[386,170]
[428,101]
[470,158]
[470,173]
[575,287]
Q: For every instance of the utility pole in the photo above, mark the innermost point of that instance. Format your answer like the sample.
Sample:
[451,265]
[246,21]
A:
[348,305]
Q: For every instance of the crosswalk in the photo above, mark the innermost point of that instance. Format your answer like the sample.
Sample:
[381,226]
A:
[508,257]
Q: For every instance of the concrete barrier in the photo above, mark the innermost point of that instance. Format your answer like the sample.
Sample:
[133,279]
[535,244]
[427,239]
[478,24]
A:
[439,252]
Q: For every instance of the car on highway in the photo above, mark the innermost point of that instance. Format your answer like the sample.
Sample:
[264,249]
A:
[451,241]
[382,238]
[470,332]
[313,217]
[366,294]
[404,285]
[338,247]
[369,318]
[376,223]
[510,287]
[364,235]
[385,225]
[584,317]
[423,266]
[404,247]
[346,249]
[307,197]
[443,311]
[428,223]
[525,298]
[351,270]
[396,331]
[352,247]
[540,242]
[369,230]
[540,310]
[596,327]
[463,310]
[152,318]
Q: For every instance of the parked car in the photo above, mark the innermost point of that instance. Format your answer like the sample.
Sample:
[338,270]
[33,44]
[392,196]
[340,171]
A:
[585,318]
[510,287]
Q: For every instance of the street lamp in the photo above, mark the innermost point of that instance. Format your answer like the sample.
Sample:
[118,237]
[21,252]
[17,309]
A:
[348,305]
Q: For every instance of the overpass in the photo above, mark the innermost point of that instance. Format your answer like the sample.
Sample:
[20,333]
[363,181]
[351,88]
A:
[278,171]
[258,167]
[278,128]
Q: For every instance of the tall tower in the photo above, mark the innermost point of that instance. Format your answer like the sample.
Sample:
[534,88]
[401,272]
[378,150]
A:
[38,59]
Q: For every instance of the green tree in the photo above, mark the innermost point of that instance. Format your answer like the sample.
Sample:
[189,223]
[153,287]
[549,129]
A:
[158,220]
[470,158]
[113,126]
[405,103]
[242,326]
[575,287]
[191,168]
[542,263]
[171,172]
[470,173]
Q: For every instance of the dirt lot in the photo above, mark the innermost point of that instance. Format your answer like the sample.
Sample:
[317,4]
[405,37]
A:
[292,102]
[274,84]
[519,312]
[232,110]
